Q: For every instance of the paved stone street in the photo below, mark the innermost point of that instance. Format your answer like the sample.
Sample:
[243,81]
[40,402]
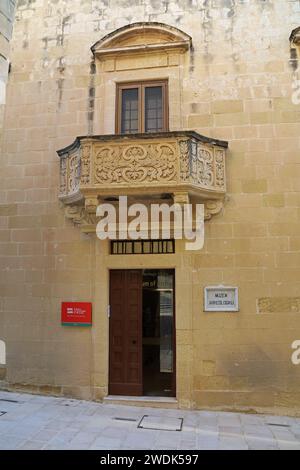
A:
[39,422]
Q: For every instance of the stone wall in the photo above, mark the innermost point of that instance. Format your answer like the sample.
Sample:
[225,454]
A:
[237,85]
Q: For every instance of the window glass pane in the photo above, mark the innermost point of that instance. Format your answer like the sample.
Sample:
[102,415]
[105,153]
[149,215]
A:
[153,109]
[129,116]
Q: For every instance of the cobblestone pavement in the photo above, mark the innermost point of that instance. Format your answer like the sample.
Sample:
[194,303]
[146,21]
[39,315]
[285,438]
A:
[40,422]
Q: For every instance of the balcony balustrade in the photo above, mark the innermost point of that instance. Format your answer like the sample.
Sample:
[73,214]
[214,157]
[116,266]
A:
[141,166]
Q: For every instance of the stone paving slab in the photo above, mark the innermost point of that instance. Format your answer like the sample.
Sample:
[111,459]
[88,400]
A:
[36,422]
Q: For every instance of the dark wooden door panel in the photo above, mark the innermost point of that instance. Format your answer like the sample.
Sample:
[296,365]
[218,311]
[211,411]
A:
[116,325]
[125,331]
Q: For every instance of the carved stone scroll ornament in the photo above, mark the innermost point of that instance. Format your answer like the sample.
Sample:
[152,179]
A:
[70,174]
[79,215]
[74,172]
[204,173]
[151,163]
[212,207]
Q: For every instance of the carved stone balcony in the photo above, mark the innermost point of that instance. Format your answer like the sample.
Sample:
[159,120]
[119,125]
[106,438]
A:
[141,166]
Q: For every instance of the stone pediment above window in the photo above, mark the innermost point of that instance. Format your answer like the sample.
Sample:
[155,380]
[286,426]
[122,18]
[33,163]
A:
[141,38]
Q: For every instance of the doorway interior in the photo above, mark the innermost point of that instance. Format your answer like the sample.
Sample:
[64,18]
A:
[142,332]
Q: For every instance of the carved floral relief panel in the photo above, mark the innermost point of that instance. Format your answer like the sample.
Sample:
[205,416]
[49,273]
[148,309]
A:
[135,164]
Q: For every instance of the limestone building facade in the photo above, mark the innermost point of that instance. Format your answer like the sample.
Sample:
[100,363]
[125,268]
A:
[174,101]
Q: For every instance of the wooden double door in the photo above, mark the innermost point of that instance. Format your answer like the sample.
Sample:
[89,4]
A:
[126,334]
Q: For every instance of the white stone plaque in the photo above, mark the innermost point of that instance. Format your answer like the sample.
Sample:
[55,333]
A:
[221,299]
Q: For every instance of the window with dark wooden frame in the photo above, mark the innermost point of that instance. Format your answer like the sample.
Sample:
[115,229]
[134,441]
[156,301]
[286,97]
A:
[142,107]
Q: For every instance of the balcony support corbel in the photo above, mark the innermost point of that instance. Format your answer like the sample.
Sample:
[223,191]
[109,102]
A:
[181,197]
[91,204]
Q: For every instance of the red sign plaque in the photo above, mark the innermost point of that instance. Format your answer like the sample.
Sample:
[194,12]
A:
[76,313]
